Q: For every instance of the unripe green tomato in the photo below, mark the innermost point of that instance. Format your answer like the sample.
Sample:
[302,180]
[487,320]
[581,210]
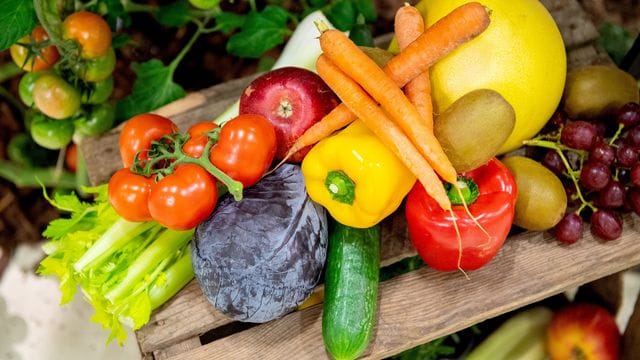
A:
[98,69]
[204,4]
[23,151]
[99,92]
[100,119]
[25,87]
[55,97]
[29,116]
[52,134]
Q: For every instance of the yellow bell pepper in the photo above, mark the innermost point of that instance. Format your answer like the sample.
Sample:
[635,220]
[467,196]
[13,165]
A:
[356,177]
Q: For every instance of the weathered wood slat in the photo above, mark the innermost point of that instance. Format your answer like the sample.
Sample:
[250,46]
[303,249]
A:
[424,304]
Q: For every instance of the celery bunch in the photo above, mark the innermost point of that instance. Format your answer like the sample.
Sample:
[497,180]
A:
[124,269]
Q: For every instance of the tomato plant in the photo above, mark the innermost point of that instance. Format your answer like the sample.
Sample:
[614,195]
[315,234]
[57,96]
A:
[129,195]
[51,134]
[138,133]
[33,52]
[245,149]
[97,92]
[25,86]
[71,157]
[55,97]
[97,69]
[204,4]
[90,31]
[185,198]
[198,138]
[96,121]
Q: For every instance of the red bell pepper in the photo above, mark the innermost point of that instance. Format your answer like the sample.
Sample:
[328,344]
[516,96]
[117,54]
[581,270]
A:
[490,193]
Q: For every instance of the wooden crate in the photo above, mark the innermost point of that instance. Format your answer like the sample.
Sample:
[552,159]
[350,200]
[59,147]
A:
[413,308]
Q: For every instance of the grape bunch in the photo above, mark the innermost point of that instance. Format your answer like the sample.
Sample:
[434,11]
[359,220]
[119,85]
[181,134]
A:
[599,163]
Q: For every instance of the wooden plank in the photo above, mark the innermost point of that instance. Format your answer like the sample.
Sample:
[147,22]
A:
[189,313]
[176,349]
[425,304]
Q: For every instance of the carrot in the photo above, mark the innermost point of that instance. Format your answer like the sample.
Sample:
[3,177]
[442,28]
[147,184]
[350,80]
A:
[408,26]
[459,26]
[335,120]
[366,109]
[364,71]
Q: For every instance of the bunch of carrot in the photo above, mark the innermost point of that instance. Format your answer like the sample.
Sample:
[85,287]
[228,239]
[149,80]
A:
[403,122]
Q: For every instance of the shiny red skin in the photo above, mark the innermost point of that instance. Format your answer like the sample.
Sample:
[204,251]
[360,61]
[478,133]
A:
[301,91]
[138,133]
[184,199]
[44,61]
[129,194]
[245,148]
[198,139]
[432,232]
[583,329]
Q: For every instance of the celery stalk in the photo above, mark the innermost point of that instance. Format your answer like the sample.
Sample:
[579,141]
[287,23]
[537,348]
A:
[503,344]
[175,278]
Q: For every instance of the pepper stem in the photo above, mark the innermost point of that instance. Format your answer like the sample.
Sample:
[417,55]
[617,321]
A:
[340,187]
[465,192]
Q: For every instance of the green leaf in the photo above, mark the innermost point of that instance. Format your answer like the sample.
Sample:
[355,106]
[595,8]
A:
[367,8]
[18,18]
[113,11]
[616,40]
[175,14]
[121,40]
[254,44]
[153,88]
[342,14]
[140,310]
[260,32]
[228,21]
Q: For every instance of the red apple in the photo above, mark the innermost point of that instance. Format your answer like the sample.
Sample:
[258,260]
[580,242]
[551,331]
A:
[292,99]
[583,332]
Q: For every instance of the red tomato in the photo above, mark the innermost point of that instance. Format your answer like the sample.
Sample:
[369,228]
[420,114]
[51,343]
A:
[198,138]
[71,157]
[129,194]
[90,30]
[45,60]
[138,133]
[184,199]
[245,149]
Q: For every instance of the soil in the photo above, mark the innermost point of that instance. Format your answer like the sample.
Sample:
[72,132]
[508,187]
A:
[24,213]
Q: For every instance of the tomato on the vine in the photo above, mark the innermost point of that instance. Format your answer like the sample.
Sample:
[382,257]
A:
[28,55]
[71,157]
[97,92]
[55,97]
[96,121]
[129,194]
[197,138]
[184,199]
[25,86]
[245,149]
[90,31]
[98,69]
[138,133]
[51,134]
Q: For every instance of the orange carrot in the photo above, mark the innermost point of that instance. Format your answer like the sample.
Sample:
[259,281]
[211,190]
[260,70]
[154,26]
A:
[338,118]
[366,109]
[459,26]
[431,55]
[364,71]
[408,26]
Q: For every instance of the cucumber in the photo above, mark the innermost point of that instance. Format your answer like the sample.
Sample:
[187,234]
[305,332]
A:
[351,290]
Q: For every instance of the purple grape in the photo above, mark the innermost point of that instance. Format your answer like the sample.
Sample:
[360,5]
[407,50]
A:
[556,121]
[606,224]
[601,129]
[579,135]
[572,194]
[635,174]
[633,200]
[626,155]
[602,152]
[629,114]
[569,229]
[612,195]
[633,137]
[553,162]
[594,175]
